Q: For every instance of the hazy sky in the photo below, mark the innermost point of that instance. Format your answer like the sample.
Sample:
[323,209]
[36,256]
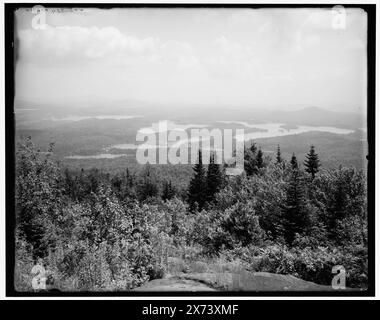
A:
[278,58]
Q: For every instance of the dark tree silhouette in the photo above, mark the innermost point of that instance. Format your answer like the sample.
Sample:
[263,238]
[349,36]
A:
[312,162]
[250,163]
[168,191]
[147,188]
[197,187]
[253,147]
[259,159]
[214,179]
[338,207]
[294,213]
[278,157]
[294,162]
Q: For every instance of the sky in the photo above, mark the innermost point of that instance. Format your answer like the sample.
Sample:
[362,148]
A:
[248,58]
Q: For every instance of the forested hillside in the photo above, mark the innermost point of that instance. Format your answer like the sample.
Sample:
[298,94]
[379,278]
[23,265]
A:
[97,230]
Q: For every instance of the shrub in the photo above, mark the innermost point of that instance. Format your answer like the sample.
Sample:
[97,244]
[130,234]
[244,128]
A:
[313,264]
[23,266]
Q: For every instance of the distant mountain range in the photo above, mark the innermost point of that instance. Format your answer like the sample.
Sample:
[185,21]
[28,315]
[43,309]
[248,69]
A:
[314,116]
[310,116]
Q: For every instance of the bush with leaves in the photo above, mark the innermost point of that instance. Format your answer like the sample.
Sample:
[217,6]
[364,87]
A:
[39,198]
[311,263]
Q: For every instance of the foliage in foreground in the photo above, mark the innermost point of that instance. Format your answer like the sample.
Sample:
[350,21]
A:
[96,232]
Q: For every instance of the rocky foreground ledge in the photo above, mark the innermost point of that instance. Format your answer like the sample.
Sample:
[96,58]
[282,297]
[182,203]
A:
[246,281]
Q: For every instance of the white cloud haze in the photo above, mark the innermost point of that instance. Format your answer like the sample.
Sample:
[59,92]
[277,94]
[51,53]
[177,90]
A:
[281,58]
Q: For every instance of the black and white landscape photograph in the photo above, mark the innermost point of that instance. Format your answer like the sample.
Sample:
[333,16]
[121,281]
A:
[203,150]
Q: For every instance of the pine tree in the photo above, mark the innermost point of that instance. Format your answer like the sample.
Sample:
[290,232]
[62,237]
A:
[294,162]
[250,165]
[278,157]
[197,187]
[168,191]
[80,183]
[259,159]
[70,185]
[253,147]
[312,163]
[338,204]
[147,187]
[294,213]
[214,179]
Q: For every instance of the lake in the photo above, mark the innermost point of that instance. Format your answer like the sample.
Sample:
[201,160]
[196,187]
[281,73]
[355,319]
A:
[264,130]
[97,156]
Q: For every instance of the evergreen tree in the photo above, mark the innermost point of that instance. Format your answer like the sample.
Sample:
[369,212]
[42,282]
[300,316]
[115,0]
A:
[259,159]
[312,163]
[123,186]
[278,157]
[214,179]
[250,165]
[117,185]
[337,209]
[69,185]
[294,162]
[253,147]
[197,187]
[168,191]
[147,187]
[80,185]
[294,213]
[93,180]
